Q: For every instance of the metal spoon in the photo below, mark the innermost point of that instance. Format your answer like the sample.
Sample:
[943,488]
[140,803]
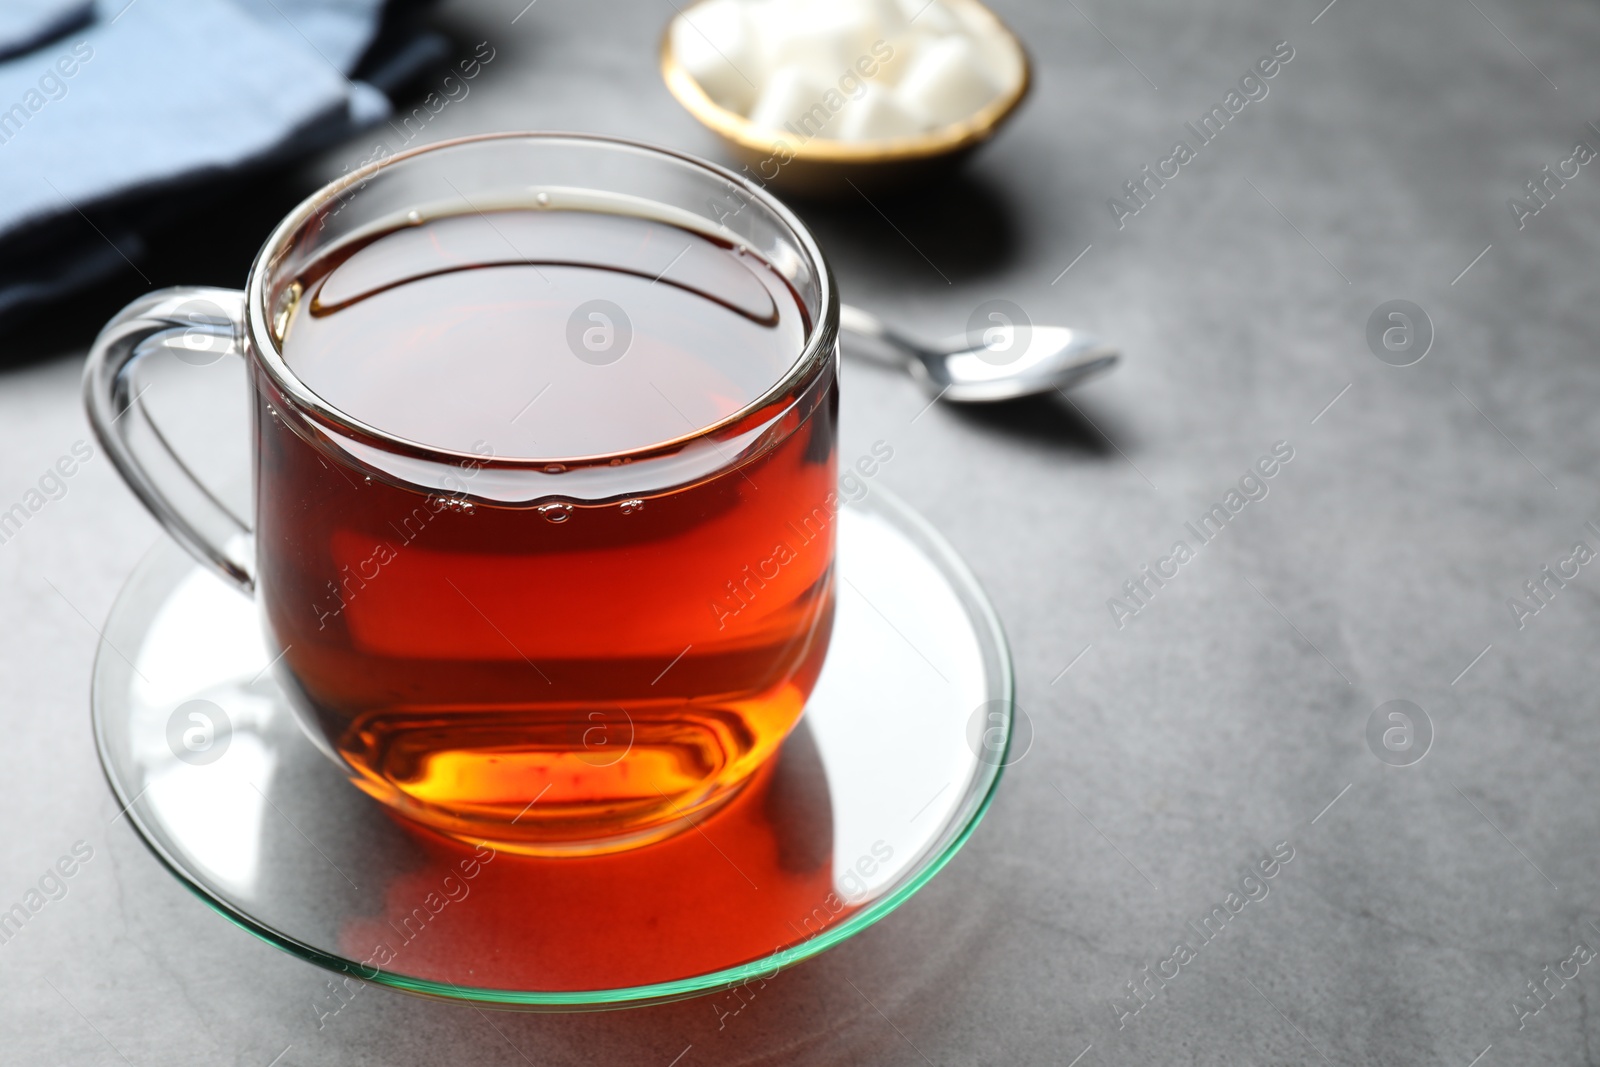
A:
[1050,357]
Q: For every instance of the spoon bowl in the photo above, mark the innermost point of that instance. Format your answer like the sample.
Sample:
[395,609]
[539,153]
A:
[1023,363]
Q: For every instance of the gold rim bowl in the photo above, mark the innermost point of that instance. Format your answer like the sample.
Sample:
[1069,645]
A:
[823,167]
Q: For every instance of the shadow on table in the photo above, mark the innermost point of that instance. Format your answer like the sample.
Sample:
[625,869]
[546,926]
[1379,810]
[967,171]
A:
[1049,420]
[960,229]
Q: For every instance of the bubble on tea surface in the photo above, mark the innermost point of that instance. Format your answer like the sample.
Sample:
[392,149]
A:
[632,507]
[555,512]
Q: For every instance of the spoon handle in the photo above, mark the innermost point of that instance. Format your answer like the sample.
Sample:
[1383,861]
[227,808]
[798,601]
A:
[861,322]
[865,324]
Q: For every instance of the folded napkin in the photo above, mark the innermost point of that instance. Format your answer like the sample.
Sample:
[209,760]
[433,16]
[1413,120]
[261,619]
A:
[107,129]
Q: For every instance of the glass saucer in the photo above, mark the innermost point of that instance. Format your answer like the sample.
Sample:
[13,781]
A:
[889,771]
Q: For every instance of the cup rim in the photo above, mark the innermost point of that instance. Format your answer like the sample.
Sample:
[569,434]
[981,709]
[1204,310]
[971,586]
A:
[265,353]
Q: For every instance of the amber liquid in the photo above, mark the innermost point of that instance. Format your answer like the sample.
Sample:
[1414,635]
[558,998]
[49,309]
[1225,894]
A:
[756,877]
[555,675]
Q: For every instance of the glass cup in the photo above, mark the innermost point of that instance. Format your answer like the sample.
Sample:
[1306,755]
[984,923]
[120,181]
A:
[556,654]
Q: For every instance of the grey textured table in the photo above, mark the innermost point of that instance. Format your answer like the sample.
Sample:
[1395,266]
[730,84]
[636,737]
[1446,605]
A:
[1228,715]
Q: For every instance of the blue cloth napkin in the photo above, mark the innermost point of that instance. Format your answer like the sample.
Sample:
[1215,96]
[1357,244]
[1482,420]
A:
[116,119]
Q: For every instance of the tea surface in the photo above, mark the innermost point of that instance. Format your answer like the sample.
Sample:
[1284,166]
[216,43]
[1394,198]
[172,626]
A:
[628,331]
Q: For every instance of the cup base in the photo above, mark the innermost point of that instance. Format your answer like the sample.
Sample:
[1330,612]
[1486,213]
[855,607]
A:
[572,779]
[592,833]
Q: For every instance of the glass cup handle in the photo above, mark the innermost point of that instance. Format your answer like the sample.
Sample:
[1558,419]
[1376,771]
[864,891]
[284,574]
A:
[198,325]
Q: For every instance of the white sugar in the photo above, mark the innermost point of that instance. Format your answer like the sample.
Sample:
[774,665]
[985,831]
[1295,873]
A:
[877,116]
[848,70]
[946,80]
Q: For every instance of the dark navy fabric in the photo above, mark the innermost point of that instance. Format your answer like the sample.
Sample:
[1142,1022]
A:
[149,98]
[27,24]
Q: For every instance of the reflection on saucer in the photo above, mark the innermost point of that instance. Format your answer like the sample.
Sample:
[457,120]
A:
[754,878]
